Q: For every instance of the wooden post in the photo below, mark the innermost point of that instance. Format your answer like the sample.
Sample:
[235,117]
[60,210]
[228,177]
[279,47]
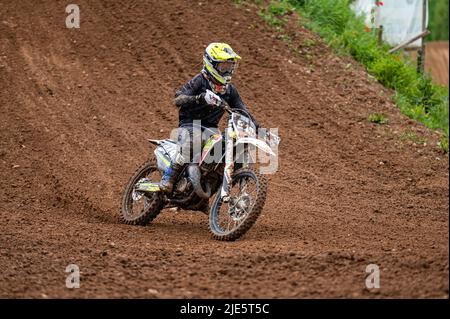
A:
[380,36]
[404,44]
[421,53]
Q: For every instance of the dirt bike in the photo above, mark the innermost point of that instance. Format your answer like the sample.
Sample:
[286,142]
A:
[240,191]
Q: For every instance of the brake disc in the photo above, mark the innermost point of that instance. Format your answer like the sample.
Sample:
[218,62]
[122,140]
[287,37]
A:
[239,209]
[136,195]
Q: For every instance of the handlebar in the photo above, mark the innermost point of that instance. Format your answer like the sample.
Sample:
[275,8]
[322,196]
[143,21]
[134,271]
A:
[229,109]
[269,136]
[225,106]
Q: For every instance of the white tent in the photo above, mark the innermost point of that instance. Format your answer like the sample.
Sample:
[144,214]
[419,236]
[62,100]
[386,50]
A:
[401,19]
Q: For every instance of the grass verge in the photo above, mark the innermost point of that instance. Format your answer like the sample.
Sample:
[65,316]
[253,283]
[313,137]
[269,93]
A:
[415,94]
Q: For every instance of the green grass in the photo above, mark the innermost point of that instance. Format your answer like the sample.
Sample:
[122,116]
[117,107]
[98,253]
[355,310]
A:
[309,43]
[334,21]
[378,118]
[409,135]
[275,13]
[237,3]
[443,143]
[284,38]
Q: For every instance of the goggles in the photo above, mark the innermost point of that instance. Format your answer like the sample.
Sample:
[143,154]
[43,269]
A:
[226,67]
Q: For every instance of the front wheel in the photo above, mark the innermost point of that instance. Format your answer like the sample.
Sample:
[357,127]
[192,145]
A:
[230,220]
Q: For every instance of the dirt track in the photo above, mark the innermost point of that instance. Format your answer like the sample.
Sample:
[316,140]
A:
[78,105]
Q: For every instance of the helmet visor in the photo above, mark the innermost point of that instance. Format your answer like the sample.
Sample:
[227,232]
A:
[226,67]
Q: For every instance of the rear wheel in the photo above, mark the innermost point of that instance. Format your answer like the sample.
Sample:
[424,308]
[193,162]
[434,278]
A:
[230,220]
[140,208]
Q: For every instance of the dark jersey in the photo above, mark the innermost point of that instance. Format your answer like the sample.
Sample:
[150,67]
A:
[190,109]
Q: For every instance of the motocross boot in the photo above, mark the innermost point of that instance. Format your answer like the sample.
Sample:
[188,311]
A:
[169,177]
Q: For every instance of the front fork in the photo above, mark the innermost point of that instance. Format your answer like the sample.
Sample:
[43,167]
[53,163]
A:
[228,169]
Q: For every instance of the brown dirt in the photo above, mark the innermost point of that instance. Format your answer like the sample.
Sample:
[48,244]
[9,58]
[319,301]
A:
[78,105]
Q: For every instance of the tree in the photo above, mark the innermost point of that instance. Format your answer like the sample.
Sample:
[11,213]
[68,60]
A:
[438,20]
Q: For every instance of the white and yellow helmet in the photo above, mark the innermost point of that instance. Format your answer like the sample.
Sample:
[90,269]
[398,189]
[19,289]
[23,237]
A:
[219,62]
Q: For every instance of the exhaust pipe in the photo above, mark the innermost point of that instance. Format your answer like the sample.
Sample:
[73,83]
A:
[195,177]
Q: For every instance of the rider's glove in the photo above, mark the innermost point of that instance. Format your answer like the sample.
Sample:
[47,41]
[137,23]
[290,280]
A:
[212,99]
[200,98]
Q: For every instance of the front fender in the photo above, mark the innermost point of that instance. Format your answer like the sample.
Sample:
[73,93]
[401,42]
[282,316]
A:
[258,143]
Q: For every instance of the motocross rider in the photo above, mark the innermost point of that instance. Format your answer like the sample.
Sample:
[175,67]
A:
[200,99]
